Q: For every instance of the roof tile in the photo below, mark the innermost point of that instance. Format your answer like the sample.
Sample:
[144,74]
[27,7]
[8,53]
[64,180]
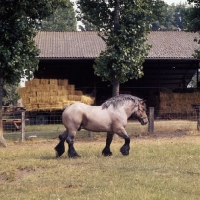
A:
[165,44]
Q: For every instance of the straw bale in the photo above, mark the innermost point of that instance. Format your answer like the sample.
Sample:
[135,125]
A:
[178,102]
[26,101]
[33,100]
[53,87]
[68,103]
[59,92]
[72,92]
[63,82]
[35,82]
[65,92]
[39,93]
[33,89]
[34,106]
[53,81]
[44,81]
[74,98]
[61,87]
[87,100]
[21,91]
[49,94]
[71,87]
[78,92]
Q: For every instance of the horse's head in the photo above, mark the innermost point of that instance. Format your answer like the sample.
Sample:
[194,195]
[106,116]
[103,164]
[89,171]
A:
[140,113]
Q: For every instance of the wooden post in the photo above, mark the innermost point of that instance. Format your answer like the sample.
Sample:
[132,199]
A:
[90,134]
[197,109]
[198,117]
[151,120]
[23,126]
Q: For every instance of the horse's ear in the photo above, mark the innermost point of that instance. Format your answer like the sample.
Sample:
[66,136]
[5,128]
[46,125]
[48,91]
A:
[143,101]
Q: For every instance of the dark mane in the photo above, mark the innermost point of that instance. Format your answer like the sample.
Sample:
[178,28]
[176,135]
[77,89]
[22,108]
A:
[120,100]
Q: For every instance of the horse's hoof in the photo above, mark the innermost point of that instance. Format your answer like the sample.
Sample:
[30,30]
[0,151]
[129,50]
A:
[74,156]
[106,153]
[56,154]
[124,151]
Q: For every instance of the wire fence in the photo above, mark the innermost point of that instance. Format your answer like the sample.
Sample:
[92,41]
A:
[51,126]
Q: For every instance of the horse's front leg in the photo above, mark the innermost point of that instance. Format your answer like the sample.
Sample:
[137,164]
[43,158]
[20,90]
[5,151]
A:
[60,148]
[71,150]
[106,151]
[126,147]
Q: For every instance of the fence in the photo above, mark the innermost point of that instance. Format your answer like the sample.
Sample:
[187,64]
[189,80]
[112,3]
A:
[18,127]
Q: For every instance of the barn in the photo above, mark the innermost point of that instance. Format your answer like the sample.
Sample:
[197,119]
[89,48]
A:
[70,55]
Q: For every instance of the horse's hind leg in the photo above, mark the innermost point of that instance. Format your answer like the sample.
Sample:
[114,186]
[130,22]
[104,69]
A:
[60,148]
[106,151]
[71,150]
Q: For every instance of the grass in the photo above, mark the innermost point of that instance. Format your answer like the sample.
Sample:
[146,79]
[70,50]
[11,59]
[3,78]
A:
[156,169]
[133,128]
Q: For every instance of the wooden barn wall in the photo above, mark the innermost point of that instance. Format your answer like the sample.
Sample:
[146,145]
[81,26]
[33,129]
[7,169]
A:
[81,74]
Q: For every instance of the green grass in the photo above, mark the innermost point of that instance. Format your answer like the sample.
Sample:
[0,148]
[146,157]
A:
[163,169]
[133,128]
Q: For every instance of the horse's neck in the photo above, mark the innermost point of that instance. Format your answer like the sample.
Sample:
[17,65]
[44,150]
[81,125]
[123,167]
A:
[129,109]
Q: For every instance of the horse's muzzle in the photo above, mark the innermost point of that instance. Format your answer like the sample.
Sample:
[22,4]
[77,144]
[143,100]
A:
[144,121]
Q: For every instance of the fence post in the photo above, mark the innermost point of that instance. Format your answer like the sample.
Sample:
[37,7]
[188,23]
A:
[23,125]
[151,120]
[197,109]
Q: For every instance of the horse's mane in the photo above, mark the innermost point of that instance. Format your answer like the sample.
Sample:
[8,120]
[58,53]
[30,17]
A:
[120,100]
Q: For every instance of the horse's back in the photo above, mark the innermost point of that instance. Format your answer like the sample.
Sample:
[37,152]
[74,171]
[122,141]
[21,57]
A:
[89,117]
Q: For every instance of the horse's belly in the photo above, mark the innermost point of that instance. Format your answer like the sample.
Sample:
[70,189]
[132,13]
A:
[97,125]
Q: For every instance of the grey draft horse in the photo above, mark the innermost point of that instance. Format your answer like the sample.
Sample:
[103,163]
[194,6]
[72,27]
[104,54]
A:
[110,117]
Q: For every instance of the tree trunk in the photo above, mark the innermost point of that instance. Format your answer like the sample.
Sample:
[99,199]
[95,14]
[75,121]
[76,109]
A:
[115,88]
[116,17]
[115,83]
[2,140]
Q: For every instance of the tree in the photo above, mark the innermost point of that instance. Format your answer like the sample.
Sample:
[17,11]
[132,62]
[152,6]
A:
[124,26]
[173,18]
[62,19]
[86,26]
[10,94]
[193,21]
[19,20]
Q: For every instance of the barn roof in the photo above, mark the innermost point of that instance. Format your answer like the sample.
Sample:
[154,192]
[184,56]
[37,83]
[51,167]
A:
[67,45]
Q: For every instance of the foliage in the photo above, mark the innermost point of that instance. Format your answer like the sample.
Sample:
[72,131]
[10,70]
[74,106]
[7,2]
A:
[18,23]
[124,27]
[193,17]
[62,19]
[173,18]
[19,20]
[10,94]
[86,26]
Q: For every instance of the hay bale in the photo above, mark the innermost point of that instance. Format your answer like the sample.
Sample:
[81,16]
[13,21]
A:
[78,92]
[178,102]
[53,82]
[44,81]
[48,94]
[63,82]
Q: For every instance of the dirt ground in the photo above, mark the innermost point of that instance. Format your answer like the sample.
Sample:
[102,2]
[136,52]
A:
[162,134]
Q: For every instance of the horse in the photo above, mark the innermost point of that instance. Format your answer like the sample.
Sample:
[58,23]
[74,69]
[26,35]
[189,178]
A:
[110,117]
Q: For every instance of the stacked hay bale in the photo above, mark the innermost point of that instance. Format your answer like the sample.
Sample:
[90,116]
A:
[50,94]
[178,102]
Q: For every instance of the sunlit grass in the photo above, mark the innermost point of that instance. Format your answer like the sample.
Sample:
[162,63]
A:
[155,169]
[133,128]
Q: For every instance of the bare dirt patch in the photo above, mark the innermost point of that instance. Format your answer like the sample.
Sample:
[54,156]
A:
[162,134]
